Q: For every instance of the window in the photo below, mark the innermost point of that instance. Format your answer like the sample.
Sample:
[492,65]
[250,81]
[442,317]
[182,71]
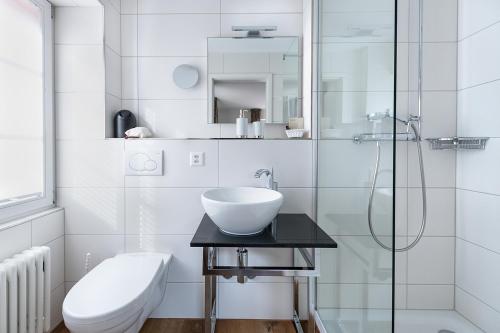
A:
[26,111]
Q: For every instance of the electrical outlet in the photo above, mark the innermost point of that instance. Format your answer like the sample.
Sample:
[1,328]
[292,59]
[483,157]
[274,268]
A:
[196,159]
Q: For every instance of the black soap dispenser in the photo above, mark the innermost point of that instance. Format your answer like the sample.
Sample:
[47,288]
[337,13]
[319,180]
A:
[124,120]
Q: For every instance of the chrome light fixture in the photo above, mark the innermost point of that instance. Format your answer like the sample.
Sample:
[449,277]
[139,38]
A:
[254,31]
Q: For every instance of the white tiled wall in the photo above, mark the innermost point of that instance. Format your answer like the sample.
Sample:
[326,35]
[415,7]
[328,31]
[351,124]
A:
[47,229]
[478,194]
[110,213]
[428,277]
[162,214]
[157,36]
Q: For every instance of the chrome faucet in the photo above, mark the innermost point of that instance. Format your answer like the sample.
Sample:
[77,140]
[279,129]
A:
[271,184]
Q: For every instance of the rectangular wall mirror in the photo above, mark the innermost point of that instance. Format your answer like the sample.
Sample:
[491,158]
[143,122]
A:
[261,75]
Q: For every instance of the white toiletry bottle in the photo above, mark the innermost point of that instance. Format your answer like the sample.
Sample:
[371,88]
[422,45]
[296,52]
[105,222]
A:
[242,125]
[257,129]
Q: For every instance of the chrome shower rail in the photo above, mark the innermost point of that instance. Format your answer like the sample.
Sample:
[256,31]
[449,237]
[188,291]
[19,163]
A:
[378,137]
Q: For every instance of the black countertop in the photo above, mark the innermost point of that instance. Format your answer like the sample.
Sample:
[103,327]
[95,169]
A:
[291,231]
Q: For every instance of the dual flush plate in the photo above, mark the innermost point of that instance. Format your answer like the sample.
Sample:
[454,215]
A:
[150,162]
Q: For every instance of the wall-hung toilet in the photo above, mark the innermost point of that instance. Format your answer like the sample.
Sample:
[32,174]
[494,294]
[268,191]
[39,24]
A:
[118,295]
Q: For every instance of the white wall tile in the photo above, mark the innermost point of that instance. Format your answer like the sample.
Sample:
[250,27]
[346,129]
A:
[90,163]
[439,167]
[129,6]
[56,262]
[477,218]
[261,6]
[355,296]
[129,35]
[440,211]
[79,25]
[177,172]
[431,261]
[240,159]
[172,7]
[477,58]
[186,264]
[476,110]
[344,211]
[156,82]
[477,312]
[153,211]
[113,4]
[14,240]
[354,164]
[439,114]
[358,259]
[112,29]
[91,211]
[47,228]
[478,272]
[440,20]
[56,302]
[113,72]
[133,106]
[79,116]
[475,15]
[79,68]
[436,297]
[177,118]
[168,35]
[129,78]
[298,201]
[99,246]
[439,66]
[255,301]
[182,300]
[287,24]
[113,104]
[477,170]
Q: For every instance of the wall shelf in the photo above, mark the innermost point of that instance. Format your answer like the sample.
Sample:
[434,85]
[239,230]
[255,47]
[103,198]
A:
[458,143]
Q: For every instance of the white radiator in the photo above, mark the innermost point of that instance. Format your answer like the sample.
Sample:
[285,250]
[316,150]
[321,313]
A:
[25,292]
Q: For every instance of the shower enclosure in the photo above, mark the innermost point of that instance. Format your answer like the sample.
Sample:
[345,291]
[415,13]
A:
[396,186]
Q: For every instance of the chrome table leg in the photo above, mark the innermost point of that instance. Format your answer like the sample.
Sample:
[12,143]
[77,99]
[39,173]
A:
[210,297]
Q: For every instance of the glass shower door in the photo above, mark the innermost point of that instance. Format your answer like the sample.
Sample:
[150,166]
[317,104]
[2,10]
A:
[355,162]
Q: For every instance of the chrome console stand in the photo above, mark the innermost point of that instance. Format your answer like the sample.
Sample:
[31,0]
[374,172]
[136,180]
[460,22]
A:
[211,270]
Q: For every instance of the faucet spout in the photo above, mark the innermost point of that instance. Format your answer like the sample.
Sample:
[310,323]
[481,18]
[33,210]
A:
[271,184]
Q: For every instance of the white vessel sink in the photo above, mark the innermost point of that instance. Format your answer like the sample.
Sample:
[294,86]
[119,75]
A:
[242,211]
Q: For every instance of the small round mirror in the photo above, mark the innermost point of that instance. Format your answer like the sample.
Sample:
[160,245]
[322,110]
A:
[186,76]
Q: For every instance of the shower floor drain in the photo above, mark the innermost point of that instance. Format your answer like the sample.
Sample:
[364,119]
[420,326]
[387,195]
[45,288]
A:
[445,331]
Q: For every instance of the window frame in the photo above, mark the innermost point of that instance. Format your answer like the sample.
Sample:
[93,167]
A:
[24,207]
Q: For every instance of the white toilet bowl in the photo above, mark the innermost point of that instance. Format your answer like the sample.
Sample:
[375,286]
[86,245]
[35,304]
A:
[118,295]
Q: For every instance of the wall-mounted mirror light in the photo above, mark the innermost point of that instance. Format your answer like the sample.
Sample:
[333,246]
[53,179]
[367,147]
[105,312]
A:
[186,76]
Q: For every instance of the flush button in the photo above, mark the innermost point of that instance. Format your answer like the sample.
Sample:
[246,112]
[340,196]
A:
[144,163]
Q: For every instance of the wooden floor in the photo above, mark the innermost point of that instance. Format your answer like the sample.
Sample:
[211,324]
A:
[223,326]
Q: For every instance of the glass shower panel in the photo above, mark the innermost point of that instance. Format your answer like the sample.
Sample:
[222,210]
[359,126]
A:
[355,156]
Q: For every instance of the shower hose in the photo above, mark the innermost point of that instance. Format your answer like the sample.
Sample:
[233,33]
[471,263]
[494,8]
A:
[424,197]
